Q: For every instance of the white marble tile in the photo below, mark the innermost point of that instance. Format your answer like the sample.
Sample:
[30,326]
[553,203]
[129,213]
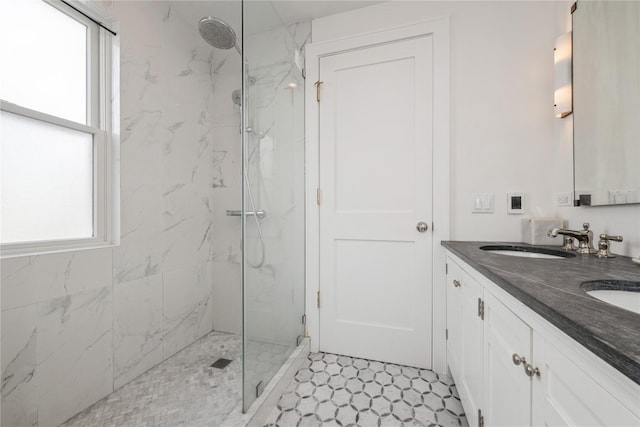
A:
[27,280]
[74,354]
[204,298]
[188,230]
[137,332]
[19,284]
[180,309]
[227,297]
[19,382]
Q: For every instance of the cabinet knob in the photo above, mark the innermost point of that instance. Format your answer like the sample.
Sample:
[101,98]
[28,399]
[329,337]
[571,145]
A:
[531,371]
[517,360]
[456,283]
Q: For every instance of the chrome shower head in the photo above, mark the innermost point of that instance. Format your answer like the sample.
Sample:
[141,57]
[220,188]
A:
[217,33]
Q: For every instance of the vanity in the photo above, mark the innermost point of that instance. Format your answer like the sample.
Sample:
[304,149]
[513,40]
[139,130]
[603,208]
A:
[526,344]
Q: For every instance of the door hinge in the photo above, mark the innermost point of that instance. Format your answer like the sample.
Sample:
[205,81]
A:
[480,308]
[318,196]
[304,319]
[318,298]
[574,7]
[446,334]
[480,418]
[318,83]
[446,268]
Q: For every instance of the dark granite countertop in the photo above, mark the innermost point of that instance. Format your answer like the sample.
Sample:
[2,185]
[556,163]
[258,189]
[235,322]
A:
[551,288]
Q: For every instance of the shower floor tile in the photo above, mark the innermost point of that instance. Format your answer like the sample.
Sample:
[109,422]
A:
[345,391]
[184,390]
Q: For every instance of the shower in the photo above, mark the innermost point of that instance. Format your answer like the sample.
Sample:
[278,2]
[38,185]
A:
[220,35]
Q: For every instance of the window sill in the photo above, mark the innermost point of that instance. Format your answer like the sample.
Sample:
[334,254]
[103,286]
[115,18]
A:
[6,253]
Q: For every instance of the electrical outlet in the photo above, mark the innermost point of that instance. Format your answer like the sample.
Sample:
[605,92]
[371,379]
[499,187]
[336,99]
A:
[564,199]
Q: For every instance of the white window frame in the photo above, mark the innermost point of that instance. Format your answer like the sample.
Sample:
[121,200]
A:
[103,122]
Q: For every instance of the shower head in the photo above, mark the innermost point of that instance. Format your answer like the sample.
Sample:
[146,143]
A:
[217,33]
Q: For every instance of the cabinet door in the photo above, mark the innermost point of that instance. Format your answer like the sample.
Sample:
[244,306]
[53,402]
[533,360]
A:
[507,388]
[566,395]
[470,388]
[454,318]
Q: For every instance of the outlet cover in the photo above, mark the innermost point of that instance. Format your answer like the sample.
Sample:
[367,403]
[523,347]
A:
[564,199]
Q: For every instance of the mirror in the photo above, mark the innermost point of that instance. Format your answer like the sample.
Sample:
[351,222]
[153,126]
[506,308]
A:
[606,102]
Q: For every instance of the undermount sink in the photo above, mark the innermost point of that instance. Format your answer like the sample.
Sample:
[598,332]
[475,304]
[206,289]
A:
[621,293]
[527,251]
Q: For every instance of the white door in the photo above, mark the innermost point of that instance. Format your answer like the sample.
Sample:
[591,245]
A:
[376,124]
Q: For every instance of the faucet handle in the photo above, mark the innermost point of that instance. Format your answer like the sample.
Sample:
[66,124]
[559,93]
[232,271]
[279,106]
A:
[603,245]
[568,244]
[585,226]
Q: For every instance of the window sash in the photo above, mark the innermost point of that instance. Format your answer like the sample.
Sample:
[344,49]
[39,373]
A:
[102,124]
[101,160]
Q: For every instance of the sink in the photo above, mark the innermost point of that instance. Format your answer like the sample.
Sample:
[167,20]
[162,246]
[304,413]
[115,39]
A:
[621,293]
[527,251]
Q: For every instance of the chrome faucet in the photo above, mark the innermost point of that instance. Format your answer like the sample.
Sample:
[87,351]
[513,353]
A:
[584,238]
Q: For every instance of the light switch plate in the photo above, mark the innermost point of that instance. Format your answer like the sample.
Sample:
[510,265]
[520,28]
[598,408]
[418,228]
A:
[482,203]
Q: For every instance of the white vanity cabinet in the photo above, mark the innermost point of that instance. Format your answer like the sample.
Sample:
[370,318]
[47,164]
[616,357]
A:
[513,368]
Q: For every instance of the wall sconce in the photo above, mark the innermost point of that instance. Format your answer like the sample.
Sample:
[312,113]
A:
[562,92]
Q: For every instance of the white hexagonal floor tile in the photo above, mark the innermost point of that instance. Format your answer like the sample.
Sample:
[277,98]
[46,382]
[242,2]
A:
[288,401]
[360,402]
[346,415]
[341,397]
[383,378]
[402,411]
[440,389]
[337,381]
[367,418]
[380,406]
[306,405]
[326,411]
[339,390]
[354,385]
[372,389]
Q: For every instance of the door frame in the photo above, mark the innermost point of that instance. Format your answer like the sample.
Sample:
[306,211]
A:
[439,30]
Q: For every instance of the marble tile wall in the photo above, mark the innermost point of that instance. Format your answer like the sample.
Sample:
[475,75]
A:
[77,325]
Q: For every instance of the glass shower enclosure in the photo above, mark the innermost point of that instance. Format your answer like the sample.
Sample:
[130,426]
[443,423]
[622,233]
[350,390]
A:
[273,196]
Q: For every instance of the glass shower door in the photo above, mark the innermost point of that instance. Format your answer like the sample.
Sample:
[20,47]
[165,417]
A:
[273,197]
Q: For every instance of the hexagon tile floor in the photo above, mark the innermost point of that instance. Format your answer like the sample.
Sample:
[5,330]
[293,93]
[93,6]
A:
[332,390]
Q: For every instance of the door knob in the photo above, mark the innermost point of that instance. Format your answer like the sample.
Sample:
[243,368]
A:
[422,227]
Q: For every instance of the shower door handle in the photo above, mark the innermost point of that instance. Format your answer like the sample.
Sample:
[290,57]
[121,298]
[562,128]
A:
[260,213]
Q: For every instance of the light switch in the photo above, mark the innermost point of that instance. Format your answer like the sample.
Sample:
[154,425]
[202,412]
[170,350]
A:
[482,203]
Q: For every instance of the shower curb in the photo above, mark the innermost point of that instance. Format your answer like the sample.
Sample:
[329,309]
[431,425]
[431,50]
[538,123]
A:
[263,405]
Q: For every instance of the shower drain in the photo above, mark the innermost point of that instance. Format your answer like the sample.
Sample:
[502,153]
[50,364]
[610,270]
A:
[220,363]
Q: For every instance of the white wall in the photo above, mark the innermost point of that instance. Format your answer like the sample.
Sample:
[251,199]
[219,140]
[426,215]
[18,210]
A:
[618,220]
[501,102]
[77,325]
[504,137]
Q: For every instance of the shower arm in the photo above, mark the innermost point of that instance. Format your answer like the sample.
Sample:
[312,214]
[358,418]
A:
[260,213]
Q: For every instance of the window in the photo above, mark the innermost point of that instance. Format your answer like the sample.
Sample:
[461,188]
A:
[58,106]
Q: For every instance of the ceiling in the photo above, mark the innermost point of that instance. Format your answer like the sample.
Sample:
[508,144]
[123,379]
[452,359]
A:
[306,10]
[261,15]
